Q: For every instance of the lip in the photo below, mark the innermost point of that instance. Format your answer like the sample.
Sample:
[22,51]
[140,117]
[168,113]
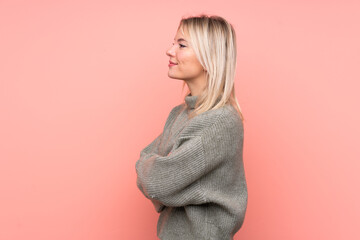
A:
[172,63]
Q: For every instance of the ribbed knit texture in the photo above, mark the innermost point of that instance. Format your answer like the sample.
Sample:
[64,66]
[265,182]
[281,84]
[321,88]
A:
[193,173]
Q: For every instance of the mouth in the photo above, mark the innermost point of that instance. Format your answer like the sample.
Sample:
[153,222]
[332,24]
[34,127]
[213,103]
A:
[172,63]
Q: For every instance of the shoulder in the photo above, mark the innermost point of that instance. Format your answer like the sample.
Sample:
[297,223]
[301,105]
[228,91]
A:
[226,116]
[231,118]
[223,139]
[224,120]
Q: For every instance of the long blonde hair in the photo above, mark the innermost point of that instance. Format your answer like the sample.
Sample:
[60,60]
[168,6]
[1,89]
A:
[214,42]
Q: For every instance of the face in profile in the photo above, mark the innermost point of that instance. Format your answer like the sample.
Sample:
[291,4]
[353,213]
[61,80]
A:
[185,63]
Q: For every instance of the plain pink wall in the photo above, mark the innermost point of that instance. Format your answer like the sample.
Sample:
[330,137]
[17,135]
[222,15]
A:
[84,87]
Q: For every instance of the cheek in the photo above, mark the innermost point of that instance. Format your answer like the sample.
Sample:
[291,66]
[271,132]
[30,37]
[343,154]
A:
[183,57]
[195,65]
[189,60]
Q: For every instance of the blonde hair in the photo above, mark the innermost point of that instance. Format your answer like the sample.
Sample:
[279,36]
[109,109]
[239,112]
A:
[213,40]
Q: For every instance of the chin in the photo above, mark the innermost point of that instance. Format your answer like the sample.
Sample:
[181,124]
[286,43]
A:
[173,76]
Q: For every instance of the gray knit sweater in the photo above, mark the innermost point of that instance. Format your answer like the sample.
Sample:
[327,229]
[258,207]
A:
[193,173]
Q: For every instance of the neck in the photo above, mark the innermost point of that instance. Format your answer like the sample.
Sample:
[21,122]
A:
[197,85]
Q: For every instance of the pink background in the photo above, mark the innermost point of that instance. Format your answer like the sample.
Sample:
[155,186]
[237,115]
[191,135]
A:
[84,87]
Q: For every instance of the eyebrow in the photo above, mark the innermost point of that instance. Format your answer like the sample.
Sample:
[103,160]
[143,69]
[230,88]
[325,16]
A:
[181,39]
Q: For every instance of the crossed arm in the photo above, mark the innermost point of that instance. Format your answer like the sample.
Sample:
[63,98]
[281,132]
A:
[172,180]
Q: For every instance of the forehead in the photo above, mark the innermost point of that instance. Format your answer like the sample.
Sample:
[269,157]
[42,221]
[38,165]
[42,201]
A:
[180,37]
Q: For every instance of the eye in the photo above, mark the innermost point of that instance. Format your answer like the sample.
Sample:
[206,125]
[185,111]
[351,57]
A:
[181,46]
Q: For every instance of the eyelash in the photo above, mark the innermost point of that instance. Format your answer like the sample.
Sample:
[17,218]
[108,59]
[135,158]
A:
[181,46]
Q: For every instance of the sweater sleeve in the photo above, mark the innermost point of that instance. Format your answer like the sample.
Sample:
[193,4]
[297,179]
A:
[152,148]
[172,179]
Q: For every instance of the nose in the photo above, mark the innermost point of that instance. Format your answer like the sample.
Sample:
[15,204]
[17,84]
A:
[170,52]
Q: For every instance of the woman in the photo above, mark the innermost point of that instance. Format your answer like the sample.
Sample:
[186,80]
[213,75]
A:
[193,171]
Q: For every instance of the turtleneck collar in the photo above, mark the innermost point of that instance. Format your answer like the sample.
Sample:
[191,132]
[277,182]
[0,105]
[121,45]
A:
[190,101]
